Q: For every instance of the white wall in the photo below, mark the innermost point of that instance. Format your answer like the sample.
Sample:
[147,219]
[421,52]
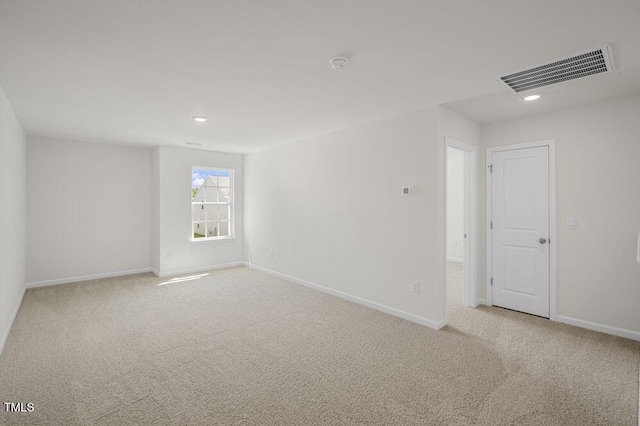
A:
[13,224]
[598,175]
[331,210]
[455,204]
[89,209]
[176,252]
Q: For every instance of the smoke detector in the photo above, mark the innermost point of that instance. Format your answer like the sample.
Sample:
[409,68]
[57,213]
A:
[338,63]
[594,61]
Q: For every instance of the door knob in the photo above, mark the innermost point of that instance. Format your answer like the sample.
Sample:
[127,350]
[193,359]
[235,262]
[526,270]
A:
[542,241]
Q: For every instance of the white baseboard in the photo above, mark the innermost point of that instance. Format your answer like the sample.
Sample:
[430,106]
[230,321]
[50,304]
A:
[130,272]
[455,259]
[5,335]
[87,277]
[383,308]
[198,269]
[480,302]
[620,332]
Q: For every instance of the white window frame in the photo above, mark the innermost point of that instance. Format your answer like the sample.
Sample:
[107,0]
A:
[231,205]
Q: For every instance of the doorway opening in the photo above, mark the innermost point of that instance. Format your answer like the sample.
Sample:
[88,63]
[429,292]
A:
[460,160]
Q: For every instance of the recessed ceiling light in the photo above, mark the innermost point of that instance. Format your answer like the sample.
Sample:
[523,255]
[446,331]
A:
[201,119]
[531,98]
[338,63]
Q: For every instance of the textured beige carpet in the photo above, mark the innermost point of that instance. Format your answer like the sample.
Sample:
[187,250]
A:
[240,347]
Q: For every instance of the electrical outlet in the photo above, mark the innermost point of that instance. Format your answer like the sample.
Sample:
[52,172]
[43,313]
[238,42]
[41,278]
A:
[169,254]
[455,244]
[270,252]
[415,286]
[407,190]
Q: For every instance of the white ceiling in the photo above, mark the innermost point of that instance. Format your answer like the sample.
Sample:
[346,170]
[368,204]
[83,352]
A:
[136,71]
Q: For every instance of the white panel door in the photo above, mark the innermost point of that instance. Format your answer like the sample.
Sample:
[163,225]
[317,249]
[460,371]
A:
[520,233]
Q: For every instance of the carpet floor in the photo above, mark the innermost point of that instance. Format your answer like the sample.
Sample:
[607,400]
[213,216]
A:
[238,347]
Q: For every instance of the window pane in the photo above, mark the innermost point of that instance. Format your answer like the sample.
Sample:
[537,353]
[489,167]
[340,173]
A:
[212,229]
[197,194]
[211,212]
[212,194]
[224,195]
[223,229]
[224,181]
[224,212]
[198,230]
[198,177]
[211,181]
[198,213]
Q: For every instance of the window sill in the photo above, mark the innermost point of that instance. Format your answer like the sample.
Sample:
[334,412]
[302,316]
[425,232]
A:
[212,239]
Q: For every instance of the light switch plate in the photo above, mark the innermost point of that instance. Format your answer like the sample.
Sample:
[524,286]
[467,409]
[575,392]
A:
[571,223]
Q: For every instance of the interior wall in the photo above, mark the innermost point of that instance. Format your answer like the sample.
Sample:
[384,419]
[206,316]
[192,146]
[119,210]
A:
[13,223]
[455,205]
[89,209]
[176,252]
[329,211]
[598,170]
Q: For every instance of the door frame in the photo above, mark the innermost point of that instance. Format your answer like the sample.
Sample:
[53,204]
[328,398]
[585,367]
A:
[553,239]
[469,221]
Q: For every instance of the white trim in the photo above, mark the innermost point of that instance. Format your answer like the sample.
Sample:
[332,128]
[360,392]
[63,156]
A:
[455,259]
[5,336]
[198,269]
[488,269]
[231,204]
[615,331]
[383,308]
[480,302]
[470,206]
[212,239]
[68,280]
[553,239]
[553,235]
[130,272]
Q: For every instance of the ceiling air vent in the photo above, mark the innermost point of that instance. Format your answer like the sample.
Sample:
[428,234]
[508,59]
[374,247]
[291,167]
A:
[581,65]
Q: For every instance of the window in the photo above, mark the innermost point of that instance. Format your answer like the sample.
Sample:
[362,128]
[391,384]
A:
[211,203]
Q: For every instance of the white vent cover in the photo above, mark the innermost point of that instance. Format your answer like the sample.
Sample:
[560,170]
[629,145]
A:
[594,61]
